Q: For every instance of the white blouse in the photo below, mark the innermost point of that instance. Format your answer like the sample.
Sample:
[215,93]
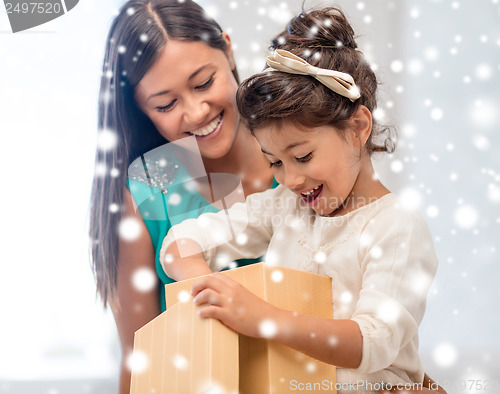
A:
[380,257]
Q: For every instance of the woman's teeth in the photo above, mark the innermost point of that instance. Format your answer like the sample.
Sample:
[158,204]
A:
[209,128]
[311,191]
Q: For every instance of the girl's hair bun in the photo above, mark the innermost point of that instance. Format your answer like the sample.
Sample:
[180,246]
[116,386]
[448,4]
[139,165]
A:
[327,27]
[325,39]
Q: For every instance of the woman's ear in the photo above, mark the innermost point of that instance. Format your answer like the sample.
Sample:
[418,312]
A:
[229,50]
[362,122]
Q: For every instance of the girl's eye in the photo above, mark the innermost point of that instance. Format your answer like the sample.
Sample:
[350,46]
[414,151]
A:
[275,164]
[166,108]
[304,158]
[207,84]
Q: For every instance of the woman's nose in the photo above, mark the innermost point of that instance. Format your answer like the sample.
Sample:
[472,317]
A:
[196,112]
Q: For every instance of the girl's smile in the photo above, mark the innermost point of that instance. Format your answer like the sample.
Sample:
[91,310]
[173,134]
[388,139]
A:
[311,196]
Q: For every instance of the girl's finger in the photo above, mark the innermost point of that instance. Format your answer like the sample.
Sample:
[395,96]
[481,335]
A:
[208,296]
[208,282]
[225,279]
[210,312]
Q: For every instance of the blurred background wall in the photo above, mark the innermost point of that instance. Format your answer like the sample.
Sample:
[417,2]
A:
[438,62]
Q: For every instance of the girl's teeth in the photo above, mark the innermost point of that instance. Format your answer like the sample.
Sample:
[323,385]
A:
[209,128]
[311,191]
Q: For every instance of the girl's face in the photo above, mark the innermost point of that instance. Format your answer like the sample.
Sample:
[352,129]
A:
[318,164]
[190,90]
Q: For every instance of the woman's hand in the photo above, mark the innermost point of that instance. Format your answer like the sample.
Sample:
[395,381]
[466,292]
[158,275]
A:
[232,304]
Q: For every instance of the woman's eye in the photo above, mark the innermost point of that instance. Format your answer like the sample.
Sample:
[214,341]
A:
[166,108]
[275,164]
[304,158]
[206,85]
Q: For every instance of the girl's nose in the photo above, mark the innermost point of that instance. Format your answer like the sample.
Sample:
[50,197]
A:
[293,179]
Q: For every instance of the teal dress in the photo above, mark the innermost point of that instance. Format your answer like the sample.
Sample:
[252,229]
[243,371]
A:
[161,210]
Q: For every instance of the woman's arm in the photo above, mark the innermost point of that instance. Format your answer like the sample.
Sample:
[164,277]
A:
[337,342]
[133,307]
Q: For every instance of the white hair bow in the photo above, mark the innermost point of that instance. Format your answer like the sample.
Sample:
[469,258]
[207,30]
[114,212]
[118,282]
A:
[337,81]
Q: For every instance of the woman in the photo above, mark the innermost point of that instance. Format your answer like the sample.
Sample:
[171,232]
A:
[168,73]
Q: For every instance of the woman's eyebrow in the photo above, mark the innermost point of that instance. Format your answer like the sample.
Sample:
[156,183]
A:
[194,74]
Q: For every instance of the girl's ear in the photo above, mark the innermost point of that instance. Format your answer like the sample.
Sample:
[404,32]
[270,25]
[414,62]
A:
[362,122]
[229,50]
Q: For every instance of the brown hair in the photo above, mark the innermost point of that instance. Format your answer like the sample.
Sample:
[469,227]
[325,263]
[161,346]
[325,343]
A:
[136,39]
[325,39]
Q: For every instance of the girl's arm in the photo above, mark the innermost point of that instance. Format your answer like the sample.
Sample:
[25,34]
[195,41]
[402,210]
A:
[243,231]
[337,342]
[181,268]
[132,307]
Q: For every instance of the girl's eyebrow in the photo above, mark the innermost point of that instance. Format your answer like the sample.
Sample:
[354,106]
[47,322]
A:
[194,74]
[292,145]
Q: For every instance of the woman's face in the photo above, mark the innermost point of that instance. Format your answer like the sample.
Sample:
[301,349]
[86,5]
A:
[191,90]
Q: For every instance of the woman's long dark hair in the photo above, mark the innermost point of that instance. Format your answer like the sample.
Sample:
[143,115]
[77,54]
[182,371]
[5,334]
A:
[136,39]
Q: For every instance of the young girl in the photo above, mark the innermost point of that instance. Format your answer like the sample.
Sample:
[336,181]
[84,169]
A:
[312,116]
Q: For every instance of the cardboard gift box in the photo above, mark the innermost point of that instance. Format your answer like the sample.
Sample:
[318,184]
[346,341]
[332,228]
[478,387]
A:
[185,354]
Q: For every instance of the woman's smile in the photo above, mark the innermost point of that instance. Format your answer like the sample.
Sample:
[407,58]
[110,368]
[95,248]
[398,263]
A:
[211,130]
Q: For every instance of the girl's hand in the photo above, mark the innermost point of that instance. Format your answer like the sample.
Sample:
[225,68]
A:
[232,304]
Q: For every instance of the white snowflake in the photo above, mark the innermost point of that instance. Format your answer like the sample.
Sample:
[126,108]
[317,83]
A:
[277,276]
[242,239]
[445,355]
[106,140]
[481,142]
[144,279]
[129,229]
[436,114]
[483,71]
[431,53]
[397,166]
[180,362]
[466,217]
[268,328]
[137,362]
[183,296]
[410,198]
[175,199]
[432,211]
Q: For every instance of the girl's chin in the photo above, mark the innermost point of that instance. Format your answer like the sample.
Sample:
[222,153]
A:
[326,209]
